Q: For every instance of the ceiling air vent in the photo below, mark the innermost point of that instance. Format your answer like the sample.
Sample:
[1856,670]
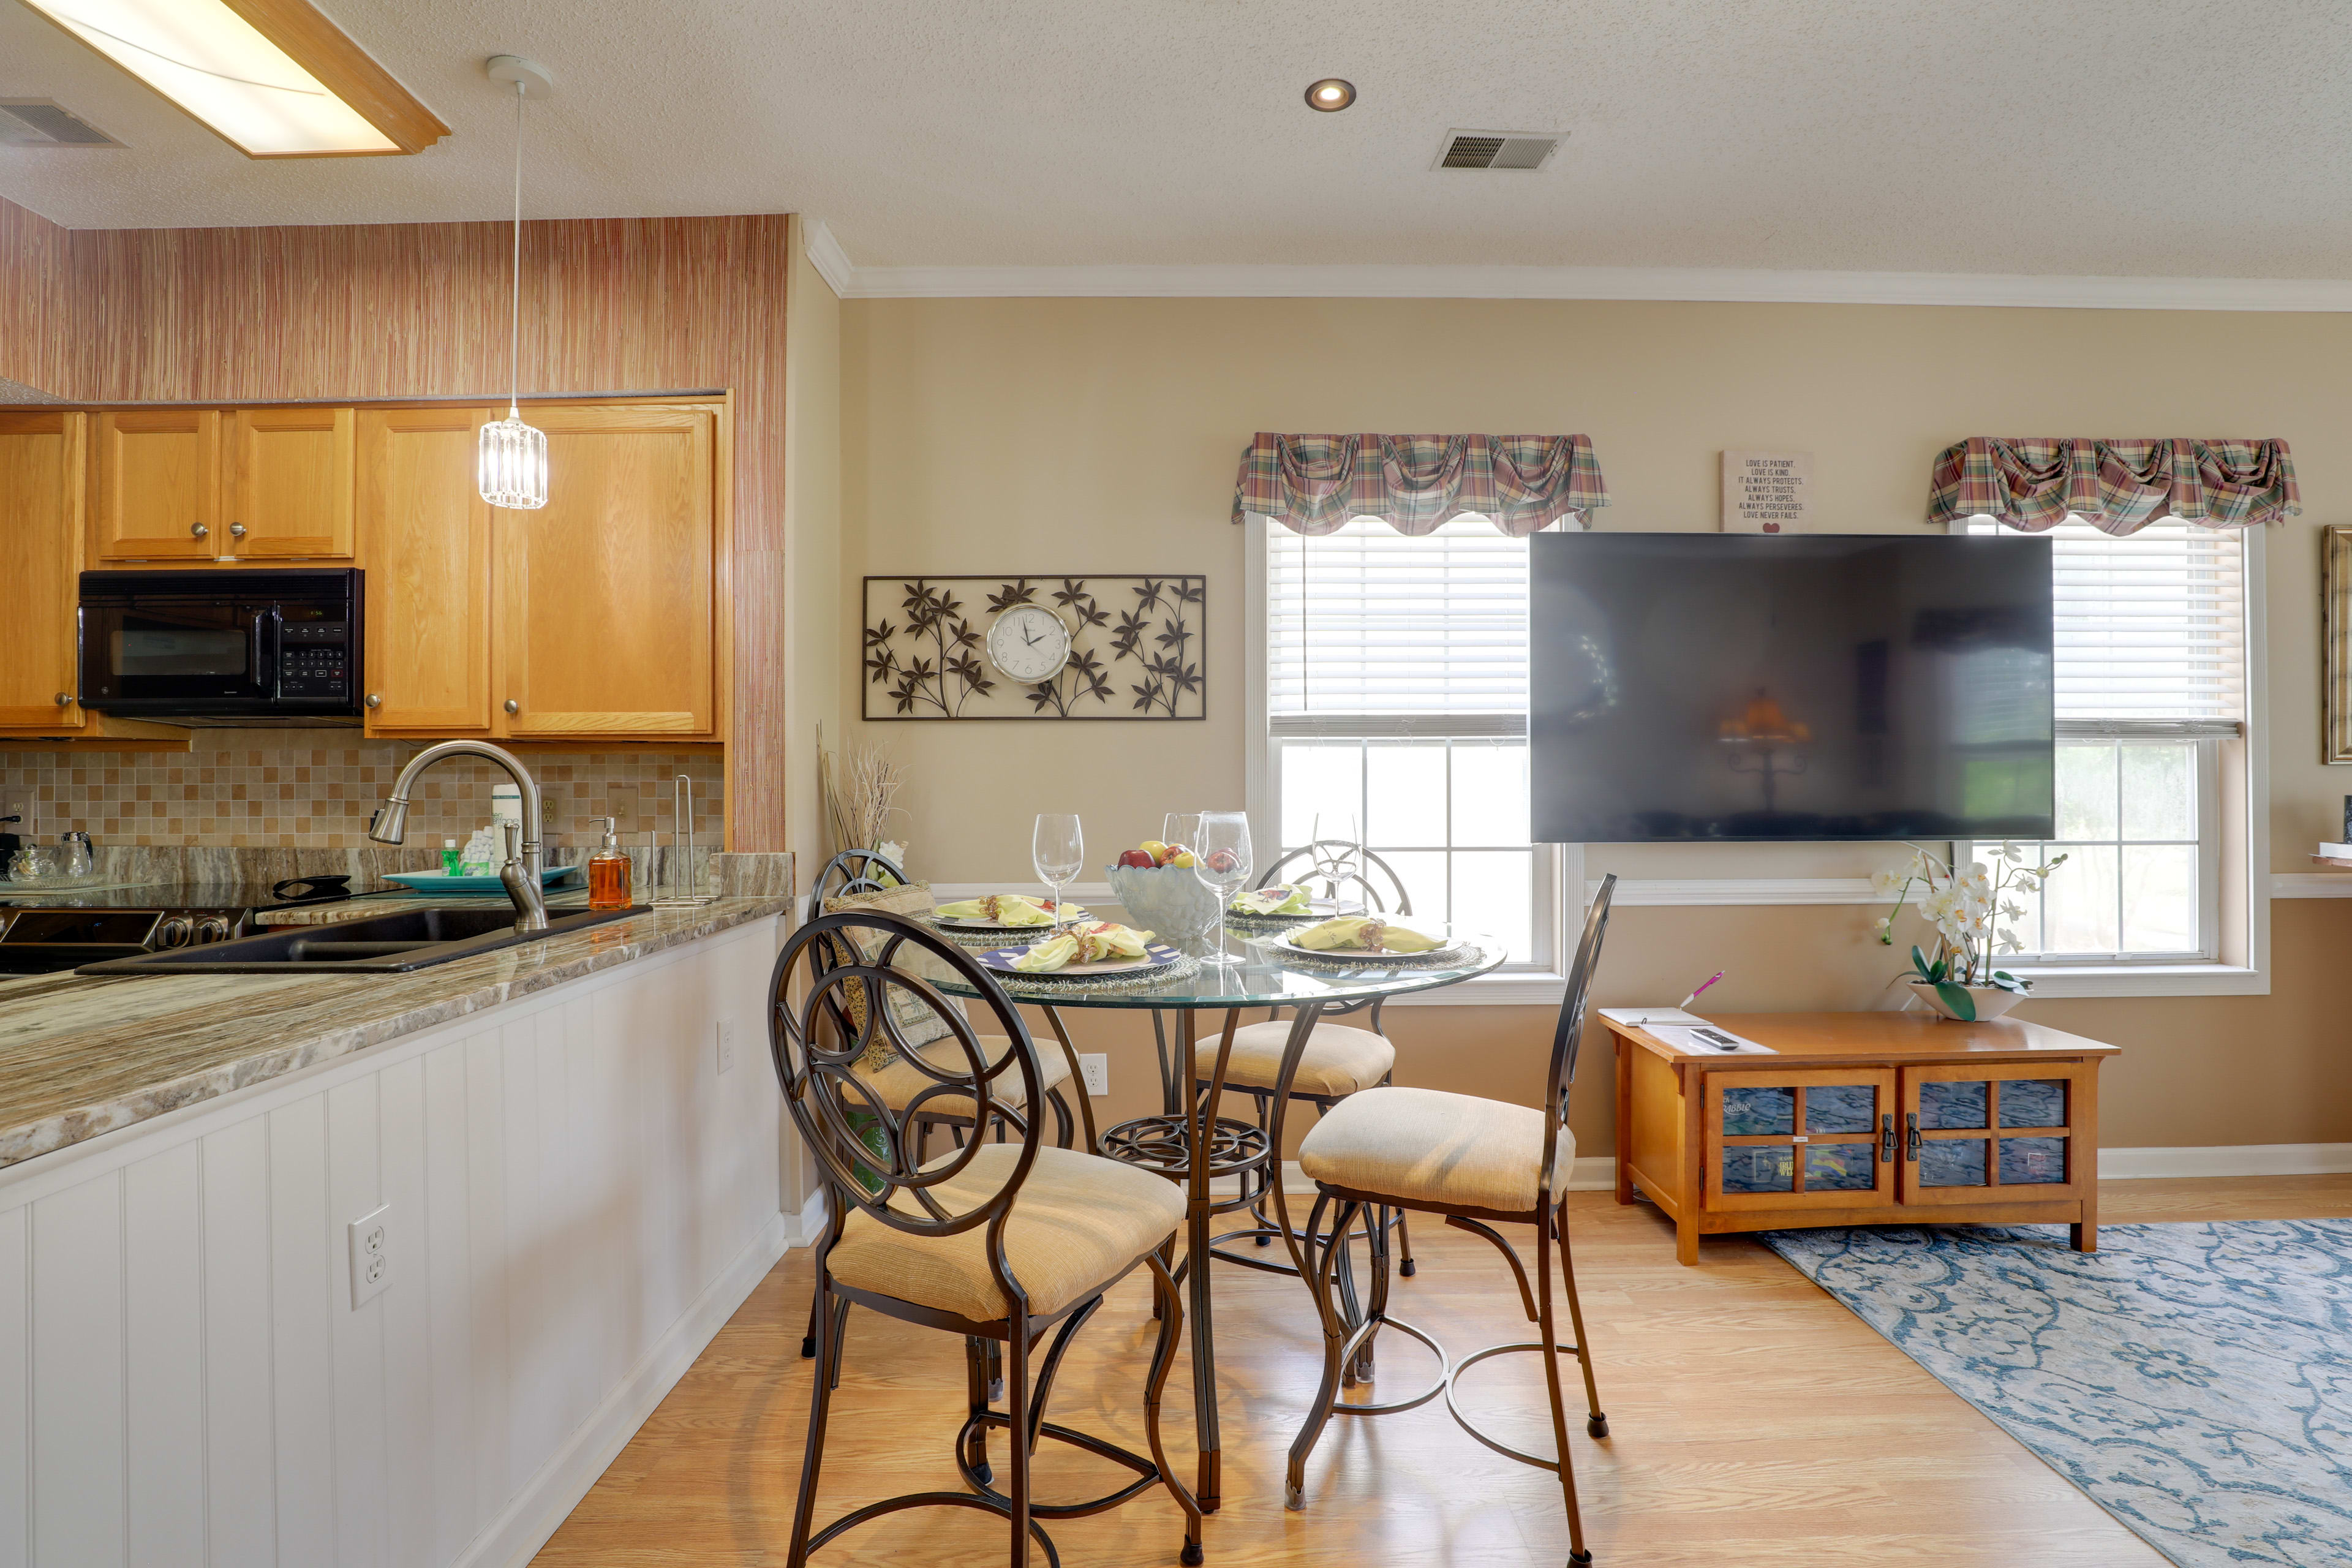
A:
[1527,150]
[45,122]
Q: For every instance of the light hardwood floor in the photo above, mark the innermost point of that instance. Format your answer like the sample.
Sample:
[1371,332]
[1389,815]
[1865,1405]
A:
[1753,1420]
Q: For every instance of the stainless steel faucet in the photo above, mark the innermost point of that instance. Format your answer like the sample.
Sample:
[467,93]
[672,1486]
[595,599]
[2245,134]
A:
[520,874]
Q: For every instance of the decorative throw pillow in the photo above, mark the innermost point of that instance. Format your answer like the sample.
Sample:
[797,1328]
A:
[916,1020]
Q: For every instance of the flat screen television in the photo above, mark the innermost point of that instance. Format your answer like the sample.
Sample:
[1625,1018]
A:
[1742,688]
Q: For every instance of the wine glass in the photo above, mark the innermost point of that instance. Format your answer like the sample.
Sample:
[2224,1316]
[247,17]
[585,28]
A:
[1181,827]
[1221,859]
[1058,851]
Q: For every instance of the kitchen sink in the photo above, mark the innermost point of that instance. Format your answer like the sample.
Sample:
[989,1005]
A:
[385,944]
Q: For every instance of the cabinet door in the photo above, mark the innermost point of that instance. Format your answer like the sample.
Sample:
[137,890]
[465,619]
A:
[41,470]
[1783,1138]
[428,536]
[158,485]
[289,483]
[1993,1134]
[606,595]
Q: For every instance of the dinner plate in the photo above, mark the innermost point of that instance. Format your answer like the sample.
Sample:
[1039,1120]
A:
[1317,910]
[962,922]
[1447,953]
[1156,955]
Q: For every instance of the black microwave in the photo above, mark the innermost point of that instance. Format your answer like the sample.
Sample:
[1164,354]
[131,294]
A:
[230,646]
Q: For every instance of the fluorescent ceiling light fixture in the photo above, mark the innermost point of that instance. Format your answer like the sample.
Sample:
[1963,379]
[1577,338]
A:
[274,78]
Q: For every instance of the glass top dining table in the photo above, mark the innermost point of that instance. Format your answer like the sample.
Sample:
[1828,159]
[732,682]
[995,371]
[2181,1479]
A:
[1188,1141]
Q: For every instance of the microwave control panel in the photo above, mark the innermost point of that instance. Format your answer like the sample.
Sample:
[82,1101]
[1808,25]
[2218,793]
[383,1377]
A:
[314,660]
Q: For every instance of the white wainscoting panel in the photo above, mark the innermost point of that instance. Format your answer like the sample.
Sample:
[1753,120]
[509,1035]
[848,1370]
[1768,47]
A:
[578,1199]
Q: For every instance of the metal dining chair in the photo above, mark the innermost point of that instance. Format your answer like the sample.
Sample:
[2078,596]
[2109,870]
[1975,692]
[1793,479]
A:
[1340,1059]
[1001,1242]
[1478,1162]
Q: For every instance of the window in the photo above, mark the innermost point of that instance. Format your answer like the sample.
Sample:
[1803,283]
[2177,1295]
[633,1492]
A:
[1396,692]
[2150,639]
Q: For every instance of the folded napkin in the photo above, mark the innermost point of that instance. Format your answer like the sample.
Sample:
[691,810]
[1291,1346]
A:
[1364,933]
[1272,902]
[1005,909]
[1083,944]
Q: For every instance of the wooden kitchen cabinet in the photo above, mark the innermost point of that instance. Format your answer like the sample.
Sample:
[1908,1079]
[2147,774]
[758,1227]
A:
[42,464]
[429,533]
[610,596]
[289,484]
[157,491]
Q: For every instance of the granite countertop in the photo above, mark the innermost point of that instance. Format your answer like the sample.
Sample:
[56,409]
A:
[80,1055]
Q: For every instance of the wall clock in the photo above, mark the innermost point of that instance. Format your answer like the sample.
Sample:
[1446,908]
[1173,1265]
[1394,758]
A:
[1116,645]
[1028,643]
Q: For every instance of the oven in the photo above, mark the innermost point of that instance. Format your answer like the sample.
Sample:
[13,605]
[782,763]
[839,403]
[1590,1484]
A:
[240,647]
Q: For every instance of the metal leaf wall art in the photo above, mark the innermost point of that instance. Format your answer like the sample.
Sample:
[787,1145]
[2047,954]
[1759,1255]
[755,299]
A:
[1137,649]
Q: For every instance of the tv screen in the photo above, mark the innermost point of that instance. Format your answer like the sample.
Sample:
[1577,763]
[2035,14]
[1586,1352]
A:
[1750,687]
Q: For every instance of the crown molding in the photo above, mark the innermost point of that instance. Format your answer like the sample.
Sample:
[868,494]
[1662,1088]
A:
[1631,283]
[825,253]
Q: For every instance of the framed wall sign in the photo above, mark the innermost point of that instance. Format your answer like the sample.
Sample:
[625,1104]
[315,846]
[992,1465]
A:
[1767,492]
[1124,646]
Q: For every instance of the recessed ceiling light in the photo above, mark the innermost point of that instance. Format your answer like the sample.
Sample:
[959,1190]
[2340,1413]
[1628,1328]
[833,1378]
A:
[1330,95]
[276,81]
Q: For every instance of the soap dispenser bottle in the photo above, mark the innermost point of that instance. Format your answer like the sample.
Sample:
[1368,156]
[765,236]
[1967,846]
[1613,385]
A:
[608,871]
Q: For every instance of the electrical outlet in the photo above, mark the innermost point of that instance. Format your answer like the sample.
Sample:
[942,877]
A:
[371,1242]
[726,1044]
[1095,1067]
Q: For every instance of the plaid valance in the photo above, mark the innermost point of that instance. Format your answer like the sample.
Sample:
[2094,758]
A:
[2119,486]
[1314,484]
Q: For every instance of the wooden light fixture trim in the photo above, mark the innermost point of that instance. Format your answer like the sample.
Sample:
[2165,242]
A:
[345,69]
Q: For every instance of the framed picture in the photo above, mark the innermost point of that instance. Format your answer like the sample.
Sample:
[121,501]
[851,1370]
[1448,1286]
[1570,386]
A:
[1767,492]
[2335,634]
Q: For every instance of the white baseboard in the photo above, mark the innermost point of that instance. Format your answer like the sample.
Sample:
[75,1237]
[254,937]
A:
[2228,1160]
[514,1538]
[804,1228]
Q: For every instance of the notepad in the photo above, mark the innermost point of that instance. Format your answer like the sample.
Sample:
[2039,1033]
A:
[1642,1017]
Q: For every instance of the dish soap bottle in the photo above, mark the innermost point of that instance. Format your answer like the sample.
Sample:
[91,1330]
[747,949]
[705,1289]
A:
[608,871]
[450,858]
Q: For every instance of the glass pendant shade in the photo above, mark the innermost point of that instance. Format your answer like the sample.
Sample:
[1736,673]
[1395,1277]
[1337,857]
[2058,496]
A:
[512,465]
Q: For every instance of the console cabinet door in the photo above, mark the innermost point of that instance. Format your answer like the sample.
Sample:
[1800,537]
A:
[157,491]
[608,595]
[41,467]
[1793,1139]
[290,484]
[2011,1134]
[429,535]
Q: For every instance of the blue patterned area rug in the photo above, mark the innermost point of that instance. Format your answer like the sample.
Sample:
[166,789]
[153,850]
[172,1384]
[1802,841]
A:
[2195,1379]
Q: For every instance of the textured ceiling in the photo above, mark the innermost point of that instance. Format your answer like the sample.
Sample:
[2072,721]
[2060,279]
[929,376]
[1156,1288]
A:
[2180,137]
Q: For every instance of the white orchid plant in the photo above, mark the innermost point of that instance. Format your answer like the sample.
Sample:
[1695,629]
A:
[1968,909]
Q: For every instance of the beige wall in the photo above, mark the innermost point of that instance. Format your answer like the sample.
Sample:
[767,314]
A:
[1075,435]
[812,544]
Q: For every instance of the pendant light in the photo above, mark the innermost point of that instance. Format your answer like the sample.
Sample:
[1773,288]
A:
[511,467]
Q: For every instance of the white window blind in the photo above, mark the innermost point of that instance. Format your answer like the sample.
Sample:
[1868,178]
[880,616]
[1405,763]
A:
[2150,629]
[1371,631]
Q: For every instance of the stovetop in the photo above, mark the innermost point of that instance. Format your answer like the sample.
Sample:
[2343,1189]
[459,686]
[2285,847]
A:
[172,896]
[43,929]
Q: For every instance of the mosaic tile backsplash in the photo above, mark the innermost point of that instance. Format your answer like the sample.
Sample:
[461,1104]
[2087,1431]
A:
[313,789]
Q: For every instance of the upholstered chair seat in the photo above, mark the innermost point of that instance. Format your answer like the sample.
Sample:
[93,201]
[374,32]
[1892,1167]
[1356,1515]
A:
[898,1084]
[1425,1147]
[1077,1223]
[1337,1060]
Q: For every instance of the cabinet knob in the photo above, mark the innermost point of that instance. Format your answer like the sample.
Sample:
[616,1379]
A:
[375,699]
[65,699]
[513,706]
[199,529]
[237,530]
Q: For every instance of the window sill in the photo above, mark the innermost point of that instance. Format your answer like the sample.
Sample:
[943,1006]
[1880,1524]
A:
[1521,988]
[2059,982]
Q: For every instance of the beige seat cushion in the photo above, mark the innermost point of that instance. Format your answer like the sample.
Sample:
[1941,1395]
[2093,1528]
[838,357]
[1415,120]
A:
[1426,1146]
[898,1084]
[1337,1060]
[1078,1221]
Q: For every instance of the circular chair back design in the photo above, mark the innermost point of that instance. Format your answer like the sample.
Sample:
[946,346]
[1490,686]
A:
[855,871]
[1333,866]
[869,1152]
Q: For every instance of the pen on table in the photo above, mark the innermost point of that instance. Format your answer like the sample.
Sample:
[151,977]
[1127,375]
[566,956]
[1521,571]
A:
[1702,985]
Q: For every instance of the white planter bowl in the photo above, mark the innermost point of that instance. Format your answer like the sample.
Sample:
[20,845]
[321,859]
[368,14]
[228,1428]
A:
[1168,899]
[1991,1001]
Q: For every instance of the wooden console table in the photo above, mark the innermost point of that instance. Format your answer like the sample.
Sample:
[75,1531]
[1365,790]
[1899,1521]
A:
[1862,1118]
